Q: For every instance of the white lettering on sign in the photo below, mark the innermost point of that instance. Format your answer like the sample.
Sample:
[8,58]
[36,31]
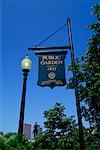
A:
[52,62]
[44,57]
[51,57]
[57,57]
[51,68]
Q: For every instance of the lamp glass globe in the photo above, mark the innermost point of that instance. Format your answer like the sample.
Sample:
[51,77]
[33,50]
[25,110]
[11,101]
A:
[26,63]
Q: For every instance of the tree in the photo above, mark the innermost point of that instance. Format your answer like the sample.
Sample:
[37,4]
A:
[61,132]
[13,142]
[9,134]
[92,70]
[88,75]
[2,143]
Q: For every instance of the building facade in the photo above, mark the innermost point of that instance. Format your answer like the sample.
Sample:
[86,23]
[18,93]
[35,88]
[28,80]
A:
[27,130]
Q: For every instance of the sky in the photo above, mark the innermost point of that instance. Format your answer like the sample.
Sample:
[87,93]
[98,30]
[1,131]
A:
[25,23]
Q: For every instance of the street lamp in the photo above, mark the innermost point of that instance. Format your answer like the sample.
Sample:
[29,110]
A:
[26,65]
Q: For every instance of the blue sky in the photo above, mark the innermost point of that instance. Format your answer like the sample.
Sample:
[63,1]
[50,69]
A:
[24,24]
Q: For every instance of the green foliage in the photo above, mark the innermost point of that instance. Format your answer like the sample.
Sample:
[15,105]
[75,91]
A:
[96,11]
[2,143]
[61,132]
[92,142]
[69,141]
[56,119]
[14,142]
[8,135]
[91,70]
[63,136]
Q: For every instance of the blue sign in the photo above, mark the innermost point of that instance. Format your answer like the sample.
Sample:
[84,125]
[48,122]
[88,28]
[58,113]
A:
[51,68]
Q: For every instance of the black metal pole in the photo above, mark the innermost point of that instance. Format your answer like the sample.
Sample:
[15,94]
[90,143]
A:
[81,137]
[21,120]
